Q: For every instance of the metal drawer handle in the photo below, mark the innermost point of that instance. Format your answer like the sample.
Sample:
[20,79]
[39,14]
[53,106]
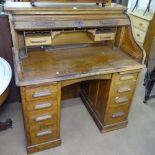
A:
[126,77]
[140,24]
[42,105]
[44,133]
[105,37]
[119,100]
[42,93]
[42,118]
[124,89]
[38,41]
[118,114]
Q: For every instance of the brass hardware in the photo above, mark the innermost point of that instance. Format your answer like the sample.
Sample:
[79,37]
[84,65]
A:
[126,77]
[37,41]
[140,24]
[42,118]
[138,35]
[42,105]
[124,89]
[119,100]
[44,133]
[42,93]
[118,114]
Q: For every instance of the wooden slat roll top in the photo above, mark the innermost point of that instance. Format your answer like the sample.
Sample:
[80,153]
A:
[59,16]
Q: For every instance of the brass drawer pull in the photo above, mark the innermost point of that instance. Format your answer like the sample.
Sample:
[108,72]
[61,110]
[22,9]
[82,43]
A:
[118,114]
[44,133]
[42,105]
[140,24]
[38,41]
[124,89]
[105,37]
[42,93]
[119,100]
[42,118]
[126,77]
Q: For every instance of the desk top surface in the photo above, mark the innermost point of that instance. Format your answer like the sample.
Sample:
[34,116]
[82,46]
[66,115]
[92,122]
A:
[64,64]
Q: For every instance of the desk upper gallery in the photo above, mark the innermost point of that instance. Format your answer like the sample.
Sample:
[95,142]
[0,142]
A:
[72,50]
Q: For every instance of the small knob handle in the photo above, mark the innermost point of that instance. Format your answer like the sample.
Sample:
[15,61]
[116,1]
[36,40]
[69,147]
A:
[140,24]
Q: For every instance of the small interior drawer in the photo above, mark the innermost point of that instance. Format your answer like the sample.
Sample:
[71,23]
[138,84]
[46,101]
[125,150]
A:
[103,34]
[37,118]
[117,114]
[41,136]
[139,23]
[37,40]
[38,105]
[139,35]
[40,92]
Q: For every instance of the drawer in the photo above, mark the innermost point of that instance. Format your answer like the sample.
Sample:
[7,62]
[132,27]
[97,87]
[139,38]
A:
[37,40]
[42,126]
[127,88]
[40,92]
[116,101]
[139,23]
[41,136]
[104,36]
[117,114]
[139,35]
[38,105]
[37,118]
[126,77]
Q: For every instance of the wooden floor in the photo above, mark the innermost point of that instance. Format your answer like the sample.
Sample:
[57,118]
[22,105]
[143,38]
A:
[68,62]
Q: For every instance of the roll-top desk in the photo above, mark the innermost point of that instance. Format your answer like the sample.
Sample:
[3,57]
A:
[57,46]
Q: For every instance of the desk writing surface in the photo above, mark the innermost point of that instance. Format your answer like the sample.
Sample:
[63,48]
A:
[70,63]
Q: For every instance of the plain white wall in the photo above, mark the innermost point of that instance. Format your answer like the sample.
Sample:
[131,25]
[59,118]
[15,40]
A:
[142,4]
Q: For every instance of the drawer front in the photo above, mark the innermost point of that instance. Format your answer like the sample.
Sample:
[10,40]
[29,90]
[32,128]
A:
[117,114]
[42,126]
[139,23]
[127,77]
[116,101]
[38,105]
[37,40]
[139,35]
[35,93]
[38,118]
[41,136]
[104,36]
[127,88]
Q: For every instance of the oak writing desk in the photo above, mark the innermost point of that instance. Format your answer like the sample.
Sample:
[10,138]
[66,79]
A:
[68,50]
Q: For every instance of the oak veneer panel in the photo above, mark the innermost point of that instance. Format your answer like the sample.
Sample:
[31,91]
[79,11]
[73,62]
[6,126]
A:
[103,93]
[70,91]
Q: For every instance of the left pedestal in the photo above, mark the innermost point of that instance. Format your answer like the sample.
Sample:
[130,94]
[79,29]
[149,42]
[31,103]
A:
[41,112]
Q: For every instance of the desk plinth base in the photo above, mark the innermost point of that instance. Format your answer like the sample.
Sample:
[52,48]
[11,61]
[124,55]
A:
[43,146]
[103,128]
[116,126]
